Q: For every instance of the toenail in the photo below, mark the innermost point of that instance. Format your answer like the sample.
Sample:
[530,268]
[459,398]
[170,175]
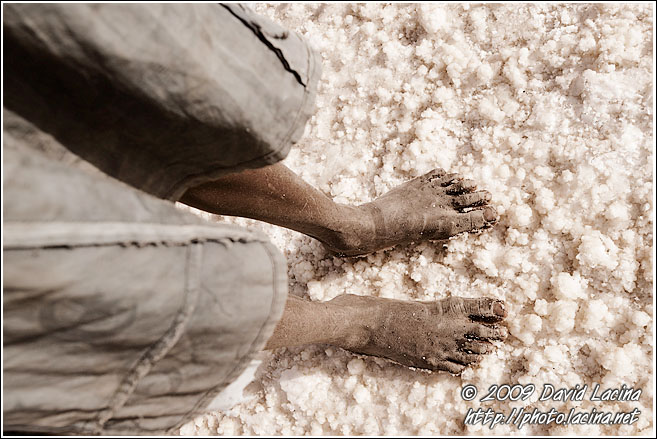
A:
[498,309]
[489,214]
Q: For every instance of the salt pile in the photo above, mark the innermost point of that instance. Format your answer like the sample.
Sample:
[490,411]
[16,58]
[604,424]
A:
[548,107]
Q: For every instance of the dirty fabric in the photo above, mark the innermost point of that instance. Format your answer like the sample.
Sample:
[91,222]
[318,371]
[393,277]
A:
[121,313]
[160,96]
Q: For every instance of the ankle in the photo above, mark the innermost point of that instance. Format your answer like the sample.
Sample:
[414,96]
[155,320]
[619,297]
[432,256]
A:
[362,316]
[347,234]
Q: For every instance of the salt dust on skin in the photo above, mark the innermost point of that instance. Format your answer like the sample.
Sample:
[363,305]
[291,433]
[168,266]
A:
[548,107]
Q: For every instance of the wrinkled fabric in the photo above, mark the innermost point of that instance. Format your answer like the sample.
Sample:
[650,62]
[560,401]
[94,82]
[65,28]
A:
[121,313]
[160,96]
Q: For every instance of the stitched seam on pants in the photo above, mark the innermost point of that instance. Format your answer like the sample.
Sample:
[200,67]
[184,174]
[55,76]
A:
[277,293]
[158,350]
[30,235]
[177,190]
[257,30]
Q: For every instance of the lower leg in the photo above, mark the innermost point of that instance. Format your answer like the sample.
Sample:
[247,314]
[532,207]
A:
[444,335]
[304,322]
[276,195]
[436,205]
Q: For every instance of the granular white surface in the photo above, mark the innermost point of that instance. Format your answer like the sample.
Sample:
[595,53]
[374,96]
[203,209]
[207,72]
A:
[548,107]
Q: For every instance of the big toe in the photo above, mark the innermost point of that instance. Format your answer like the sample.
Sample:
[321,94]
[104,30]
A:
[433,174]
[447,180]
[461,187]
[465,358]
[485,308]
[447,366]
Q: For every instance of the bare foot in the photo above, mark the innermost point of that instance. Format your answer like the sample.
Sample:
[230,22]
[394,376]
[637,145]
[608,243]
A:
[436,205]
[447,335]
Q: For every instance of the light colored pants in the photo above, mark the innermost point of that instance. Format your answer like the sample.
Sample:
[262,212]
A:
[123,314]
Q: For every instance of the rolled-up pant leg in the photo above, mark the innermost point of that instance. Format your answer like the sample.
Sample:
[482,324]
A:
[163,97]
[122,314]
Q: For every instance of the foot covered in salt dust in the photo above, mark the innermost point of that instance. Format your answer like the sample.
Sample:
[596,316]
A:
[436,205]
[446,335]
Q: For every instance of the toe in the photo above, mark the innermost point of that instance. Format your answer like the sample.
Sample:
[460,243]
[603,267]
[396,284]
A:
[485,308]
[476,347]
[462,187]
[465,358]
[446,180]
[449,366]
[433,174]
[473,199]
[473,220]
[486,332]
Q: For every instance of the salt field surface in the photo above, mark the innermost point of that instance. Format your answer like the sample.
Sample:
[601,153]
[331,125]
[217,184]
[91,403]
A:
[548,107]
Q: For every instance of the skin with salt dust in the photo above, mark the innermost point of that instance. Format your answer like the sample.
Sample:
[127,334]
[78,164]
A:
[554,118]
